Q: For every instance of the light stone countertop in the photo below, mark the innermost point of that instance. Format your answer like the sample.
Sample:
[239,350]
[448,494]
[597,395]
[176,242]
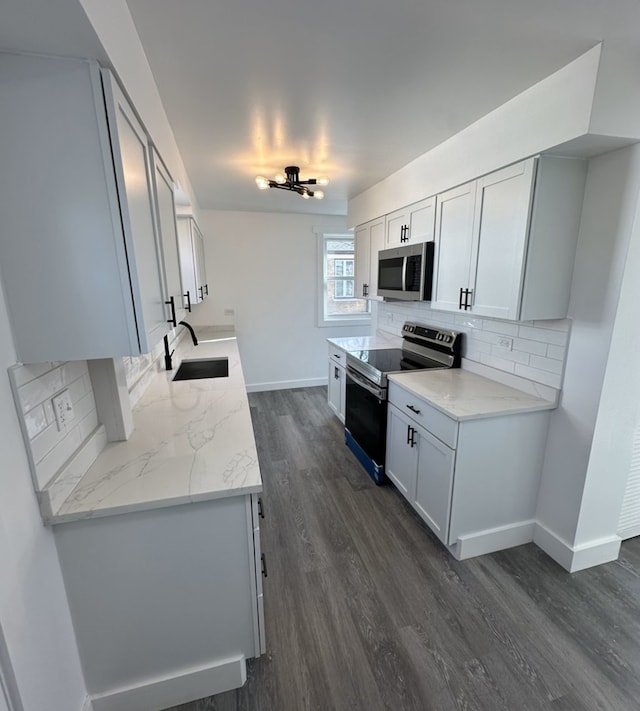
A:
[463,395]
[193,441]
[362,343]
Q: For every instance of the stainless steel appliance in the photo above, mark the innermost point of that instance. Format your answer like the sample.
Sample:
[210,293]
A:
[423,348]
[406,272]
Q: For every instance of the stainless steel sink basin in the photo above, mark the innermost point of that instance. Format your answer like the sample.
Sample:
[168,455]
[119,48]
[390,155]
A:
[204,368]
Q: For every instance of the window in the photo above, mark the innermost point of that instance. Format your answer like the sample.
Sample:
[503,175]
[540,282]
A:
[337,302]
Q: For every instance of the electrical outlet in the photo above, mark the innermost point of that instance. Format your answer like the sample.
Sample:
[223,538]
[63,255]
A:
[506,343]
[229,312]
[63,409]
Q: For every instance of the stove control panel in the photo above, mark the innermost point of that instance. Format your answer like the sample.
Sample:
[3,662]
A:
[426,333]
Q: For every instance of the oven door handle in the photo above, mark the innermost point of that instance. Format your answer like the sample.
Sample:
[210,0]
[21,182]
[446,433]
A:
[366,384]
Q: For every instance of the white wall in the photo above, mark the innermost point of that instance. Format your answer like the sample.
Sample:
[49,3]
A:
[264,267]
[608,214]
[33,608]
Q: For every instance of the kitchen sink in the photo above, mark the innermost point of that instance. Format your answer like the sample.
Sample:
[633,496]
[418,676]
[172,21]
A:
[204,368]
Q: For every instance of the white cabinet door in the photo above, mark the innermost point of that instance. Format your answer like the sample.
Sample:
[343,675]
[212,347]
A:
[397,228]
[133,173]
[167,230]
[434,485]
[422,217]
[188,264]
[363,261]
[500,240]
[336,389]
[454,241]
[401,461]
[376,237]
[201,270]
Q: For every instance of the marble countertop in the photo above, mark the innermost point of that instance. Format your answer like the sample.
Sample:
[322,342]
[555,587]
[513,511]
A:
[193,441]
[463,395]
[363,343]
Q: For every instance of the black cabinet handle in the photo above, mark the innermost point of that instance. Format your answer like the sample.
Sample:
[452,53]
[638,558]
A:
[173,321]
[201,290]
[336,374]
[206,289]
[408,434]
[412,441]
[404,233]
[413,409]
[263,560]
[467,299]
[187,296]
[460,299]
[365,290]
[260,509]
[337,355]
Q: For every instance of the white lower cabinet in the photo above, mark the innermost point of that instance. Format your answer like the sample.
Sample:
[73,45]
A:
[167,604]
[473,482]
[337,381]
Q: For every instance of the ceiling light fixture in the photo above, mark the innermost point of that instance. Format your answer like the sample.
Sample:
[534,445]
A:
[291,181]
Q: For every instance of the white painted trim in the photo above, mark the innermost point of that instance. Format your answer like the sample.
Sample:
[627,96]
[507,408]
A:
[222,675]
[87,705]
[629,532]
[285,384]
[8,684]
[494,539]
[574,558]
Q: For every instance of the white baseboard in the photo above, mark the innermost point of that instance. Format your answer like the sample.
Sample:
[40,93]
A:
[574,558]
[188,685]
[285,385]
[494,539]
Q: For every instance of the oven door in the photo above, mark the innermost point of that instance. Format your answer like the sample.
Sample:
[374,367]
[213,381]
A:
[366,422]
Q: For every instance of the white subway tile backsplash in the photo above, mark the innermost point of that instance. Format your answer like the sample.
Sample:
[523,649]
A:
[35,421]
[514,356]
[549,364]
[557,352]
[555,337]
[543,340]
[34,387]
[504,327]
[540,376]
[500,363]
[527,346]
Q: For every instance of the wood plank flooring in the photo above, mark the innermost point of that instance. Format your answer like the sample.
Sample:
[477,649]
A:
[365,610]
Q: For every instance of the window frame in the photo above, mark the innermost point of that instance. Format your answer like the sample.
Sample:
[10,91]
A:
[339,320]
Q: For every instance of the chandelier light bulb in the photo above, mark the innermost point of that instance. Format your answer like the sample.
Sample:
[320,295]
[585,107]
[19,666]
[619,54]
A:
[322,180]
[280,179]
[305,195]
[262,182]
[318,194]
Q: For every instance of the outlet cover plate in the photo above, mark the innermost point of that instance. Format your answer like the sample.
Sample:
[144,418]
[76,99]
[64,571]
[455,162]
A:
[63,409]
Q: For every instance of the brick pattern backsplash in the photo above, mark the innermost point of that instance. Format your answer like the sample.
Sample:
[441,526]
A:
[534,350]
[34,386]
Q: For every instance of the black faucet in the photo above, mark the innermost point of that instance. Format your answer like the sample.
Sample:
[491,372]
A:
[167,354]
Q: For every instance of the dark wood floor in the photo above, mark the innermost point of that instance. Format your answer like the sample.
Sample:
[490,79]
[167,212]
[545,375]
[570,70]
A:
[365,610]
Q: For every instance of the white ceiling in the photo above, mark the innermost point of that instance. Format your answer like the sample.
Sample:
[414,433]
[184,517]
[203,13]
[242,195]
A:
[353,89]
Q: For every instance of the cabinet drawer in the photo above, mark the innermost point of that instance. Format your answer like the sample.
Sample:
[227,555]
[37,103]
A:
[338,355]
[421,412]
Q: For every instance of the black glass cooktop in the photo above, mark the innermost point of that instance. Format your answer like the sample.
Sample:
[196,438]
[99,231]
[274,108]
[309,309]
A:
[391,360]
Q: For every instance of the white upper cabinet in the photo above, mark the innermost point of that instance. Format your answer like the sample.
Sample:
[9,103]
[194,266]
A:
[412,224]
[132,163]
[168,234]
[78,248]
[192,261]
[369,240]
[505,243]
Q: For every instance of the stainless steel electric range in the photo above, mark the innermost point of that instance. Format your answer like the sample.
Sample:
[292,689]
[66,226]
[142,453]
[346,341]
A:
[423,348]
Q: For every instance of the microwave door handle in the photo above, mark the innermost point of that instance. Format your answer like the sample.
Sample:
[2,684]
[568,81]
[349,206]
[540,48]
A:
[404,273]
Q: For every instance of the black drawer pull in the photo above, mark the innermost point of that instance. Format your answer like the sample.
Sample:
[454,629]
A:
[263,561]
[413,409]
[187,296]
[260,509]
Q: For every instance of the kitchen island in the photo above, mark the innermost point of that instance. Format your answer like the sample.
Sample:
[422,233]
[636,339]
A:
[159,544]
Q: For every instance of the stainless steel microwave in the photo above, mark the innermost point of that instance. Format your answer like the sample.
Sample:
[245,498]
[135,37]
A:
[406,272]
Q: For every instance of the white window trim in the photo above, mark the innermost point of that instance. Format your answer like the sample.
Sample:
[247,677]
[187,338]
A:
[344,320]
